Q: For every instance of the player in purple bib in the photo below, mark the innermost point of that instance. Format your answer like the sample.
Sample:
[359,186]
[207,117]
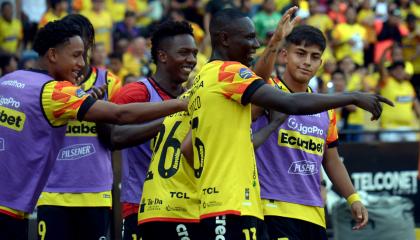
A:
[289,162]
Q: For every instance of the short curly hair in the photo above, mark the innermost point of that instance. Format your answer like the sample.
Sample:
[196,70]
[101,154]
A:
[166,30]
[53,34]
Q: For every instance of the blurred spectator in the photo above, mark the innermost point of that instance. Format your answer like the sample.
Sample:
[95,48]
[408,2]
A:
[266,20]
[389,32]
[349,38]
[32,11]
[366,18]
[411,50]
[28,59]
[127,29]
[102,22]
[137,60]
[130,78]
[189,8]
[319,19]
[81,5]
[198,32]
[338,85]
[11,32]
[214,6]
[57,10]
[116,65]
[336,12]
[8,63]
[397,56]
[394,86]
[99,57]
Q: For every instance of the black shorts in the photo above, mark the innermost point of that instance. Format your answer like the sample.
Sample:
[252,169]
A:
[57,222]
[293,229]
[233,227]
[170,231]
[13,228]
[130,229]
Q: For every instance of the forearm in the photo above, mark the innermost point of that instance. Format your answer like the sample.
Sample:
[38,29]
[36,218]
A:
[262,135]
[299,103]
[265,64]
[338,174]
[123,136]
[132,113]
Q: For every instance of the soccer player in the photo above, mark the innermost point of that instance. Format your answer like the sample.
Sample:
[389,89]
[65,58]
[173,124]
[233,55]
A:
[76,201]
[174,52]
[39,103]
[289,162]
[220,111]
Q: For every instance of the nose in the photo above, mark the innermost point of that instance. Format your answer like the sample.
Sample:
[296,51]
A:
[81,62]
[255,43]
[307,60]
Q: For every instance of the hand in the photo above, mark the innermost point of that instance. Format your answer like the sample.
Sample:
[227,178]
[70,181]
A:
[371,103]
[99,93]
[285,25]
[359,214]
[183,103]
[277,117]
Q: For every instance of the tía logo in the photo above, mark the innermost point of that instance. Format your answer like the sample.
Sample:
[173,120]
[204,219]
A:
[76,151]
[2,148]
[303,168]
[245,73]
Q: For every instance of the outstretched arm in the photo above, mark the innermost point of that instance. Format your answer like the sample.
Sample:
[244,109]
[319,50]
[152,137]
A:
[310,103]
[276,119]
[339,176]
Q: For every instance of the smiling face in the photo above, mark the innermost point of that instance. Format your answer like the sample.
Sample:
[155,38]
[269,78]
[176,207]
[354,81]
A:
[241,41]
[67,59]
[178,56]
[302,62]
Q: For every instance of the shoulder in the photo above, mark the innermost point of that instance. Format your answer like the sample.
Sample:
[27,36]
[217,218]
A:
[132,92]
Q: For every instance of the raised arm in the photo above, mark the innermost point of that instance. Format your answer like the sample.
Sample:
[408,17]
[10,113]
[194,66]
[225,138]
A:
[310,103]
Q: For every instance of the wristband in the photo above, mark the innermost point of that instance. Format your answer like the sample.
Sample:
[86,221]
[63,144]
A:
[353,198]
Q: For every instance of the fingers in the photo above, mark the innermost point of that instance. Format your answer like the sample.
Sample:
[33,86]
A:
[360,214]
[385,100]
[98,93]
[376,111]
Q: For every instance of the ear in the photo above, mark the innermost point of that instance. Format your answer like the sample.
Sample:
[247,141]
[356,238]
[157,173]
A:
[283,55]
[162,56]
[224,38]
[52,55]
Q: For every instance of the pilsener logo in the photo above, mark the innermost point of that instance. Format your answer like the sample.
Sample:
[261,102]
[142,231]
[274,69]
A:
[293,124]
[303,168]
[76,151]
[12,119]
[307,143]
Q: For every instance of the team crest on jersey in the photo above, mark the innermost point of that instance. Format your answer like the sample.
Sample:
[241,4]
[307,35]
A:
[245,73]
[303,168]
[80,93]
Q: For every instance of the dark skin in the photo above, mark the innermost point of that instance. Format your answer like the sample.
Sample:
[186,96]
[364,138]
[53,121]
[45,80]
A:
[65,61]
[176,59]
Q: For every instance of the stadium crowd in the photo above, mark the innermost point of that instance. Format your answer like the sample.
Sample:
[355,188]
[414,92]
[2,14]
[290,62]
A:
[364,38]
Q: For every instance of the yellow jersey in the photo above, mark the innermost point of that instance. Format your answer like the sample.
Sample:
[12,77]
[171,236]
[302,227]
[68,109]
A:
[102,23]
[10,34]
[169,191]
[403,95]
[220,122]
[49,16]
[344,32]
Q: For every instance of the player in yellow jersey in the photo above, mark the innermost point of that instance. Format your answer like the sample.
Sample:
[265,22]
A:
[220,111]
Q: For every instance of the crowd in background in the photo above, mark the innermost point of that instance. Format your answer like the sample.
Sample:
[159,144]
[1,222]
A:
[373,45]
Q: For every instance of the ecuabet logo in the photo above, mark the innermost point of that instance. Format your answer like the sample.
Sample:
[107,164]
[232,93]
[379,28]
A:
[245,73]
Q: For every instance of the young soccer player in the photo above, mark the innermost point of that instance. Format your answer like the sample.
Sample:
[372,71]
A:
[41,102]
[76,202]
[290,161]
[174,52]
[220,112]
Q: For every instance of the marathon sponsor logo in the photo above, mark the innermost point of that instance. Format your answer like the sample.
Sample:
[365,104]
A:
[2,144]
[245,73]
[13,83]
[12,119]
[175,209]
[397,182]
[81,129]
[80,93]
[295,125]
[9,101]
[306,143]
[210,204]
[303,168]
[76,151]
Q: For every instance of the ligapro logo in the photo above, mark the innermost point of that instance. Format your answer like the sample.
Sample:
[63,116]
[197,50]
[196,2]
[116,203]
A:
[292,123]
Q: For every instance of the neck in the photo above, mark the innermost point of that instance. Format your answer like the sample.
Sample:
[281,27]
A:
[163,78]
[294,85]
[218,55]
[41,64]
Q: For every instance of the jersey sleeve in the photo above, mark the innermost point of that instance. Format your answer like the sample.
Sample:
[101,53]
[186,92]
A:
[131,93]
[237,82]
[62,101]
[114,84]
[332,135]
